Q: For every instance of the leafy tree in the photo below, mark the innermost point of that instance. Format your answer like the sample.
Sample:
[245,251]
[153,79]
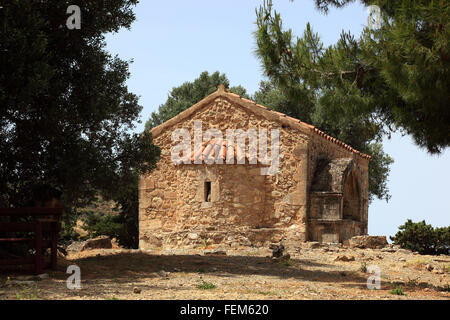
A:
[65,110]
[127,199]
[423,238]
[97,225]
[189,93]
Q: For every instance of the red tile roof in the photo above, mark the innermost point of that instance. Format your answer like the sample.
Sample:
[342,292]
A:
[315,130]
[214,149]
[262,110]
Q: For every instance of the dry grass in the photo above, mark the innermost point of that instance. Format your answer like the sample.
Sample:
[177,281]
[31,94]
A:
[113,274]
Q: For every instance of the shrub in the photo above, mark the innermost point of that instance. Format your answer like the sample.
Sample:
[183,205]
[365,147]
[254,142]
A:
[207,285]
[67,233]
[398,291]
[423,238]
[205,243]
[107,225]
[114,219]
[121,226]
[363,267]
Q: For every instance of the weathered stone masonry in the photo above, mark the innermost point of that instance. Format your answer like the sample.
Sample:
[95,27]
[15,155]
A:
[319,193]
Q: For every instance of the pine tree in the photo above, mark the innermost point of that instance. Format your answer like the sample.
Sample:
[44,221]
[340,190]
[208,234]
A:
[322,86]
[394,77]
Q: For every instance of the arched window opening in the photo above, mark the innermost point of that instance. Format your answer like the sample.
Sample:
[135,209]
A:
[351,210]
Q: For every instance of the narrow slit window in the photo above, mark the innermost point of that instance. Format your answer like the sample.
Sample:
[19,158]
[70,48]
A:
[207,191]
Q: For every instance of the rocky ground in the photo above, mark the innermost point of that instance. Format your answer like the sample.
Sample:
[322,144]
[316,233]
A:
[314,272]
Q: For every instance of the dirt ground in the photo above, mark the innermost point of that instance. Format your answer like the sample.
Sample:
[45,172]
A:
[238,274]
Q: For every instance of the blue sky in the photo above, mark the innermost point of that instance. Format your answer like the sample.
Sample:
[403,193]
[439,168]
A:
[174,41]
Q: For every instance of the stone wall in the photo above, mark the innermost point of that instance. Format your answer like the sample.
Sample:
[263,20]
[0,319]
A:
[333,230]
[245,207]
[337,178]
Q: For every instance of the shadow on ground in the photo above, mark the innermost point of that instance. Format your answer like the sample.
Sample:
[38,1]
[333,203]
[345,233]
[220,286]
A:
[123,267]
